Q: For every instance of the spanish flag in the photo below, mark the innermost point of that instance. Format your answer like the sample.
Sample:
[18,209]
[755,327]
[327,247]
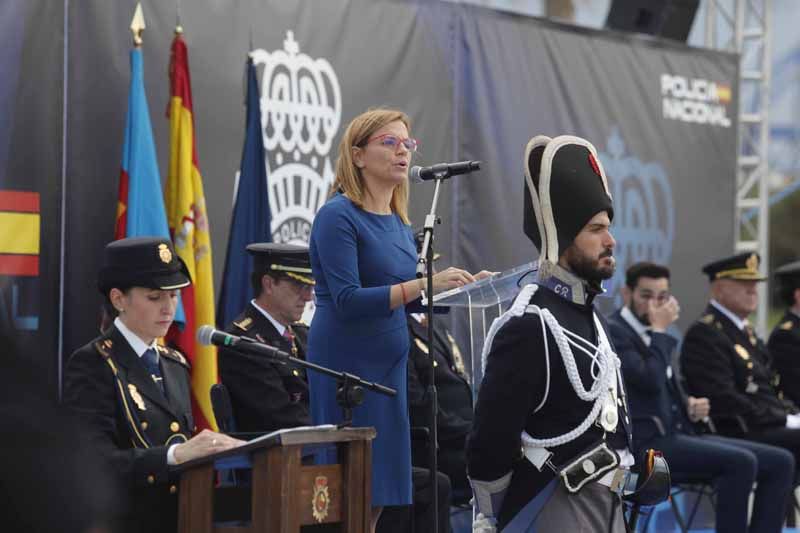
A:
[19,233]
[188,225]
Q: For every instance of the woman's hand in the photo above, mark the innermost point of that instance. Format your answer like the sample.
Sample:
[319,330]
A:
[483,274]
[451,278]
[204,443]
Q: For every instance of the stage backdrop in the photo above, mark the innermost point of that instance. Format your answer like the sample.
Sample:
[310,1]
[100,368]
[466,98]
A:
[477,84]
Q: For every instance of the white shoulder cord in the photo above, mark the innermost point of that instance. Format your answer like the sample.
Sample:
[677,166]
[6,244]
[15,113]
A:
[605,365]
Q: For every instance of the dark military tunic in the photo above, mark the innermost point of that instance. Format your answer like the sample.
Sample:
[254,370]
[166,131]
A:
[733,370]
[133,422]
[784,347]
[513,386]
[265,396]
[454,395]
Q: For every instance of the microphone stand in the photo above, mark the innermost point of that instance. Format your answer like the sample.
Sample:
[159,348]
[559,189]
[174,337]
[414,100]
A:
[350,393]
[425,268]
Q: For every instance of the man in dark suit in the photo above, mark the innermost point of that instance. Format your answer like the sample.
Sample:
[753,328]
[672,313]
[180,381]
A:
[266,395]
[724,360]
[663,419]
[784,342]
[135,395]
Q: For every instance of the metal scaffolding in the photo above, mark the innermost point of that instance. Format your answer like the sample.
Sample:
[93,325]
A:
[742,26]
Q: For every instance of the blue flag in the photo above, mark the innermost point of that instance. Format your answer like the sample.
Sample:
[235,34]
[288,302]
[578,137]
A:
[251,218]
[140,211]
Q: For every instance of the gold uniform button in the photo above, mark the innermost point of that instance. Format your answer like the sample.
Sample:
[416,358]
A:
[295,373]
[173,489]
[151,479]
[174,427]
[144,426]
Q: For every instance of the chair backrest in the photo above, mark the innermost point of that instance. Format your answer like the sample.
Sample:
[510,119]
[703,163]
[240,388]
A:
[223,411]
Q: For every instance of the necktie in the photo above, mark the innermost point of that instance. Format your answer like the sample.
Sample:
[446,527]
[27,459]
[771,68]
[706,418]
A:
[150,360]
[288,334]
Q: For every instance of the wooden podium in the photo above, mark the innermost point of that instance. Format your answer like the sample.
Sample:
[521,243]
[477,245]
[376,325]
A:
[286,494]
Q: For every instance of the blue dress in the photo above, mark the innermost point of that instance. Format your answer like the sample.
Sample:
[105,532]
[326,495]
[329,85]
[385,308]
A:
[355,257]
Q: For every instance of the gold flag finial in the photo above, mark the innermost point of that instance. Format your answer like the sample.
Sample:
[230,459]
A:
[137,25]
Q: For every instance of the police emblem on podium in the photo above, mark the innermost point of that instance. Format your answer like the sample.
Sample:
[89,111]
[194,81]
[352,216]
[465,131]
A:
[320,500]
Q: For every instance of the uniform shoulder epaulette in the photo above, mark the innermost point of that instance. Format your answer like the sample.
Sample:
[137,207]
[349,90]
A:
[173,354]
[786,326]
[103,347]
[707,319]
[244,324]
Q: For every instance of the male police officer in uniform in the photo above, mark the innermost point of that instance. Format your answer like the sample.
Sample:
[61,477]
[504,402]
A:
[784,342]
[724,360]
[664,418]
[134,394]
[267,395]
[454,397]
[550,441]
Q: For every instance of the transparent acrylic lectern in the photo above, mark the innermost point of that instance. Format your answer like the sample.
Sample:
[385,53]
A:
[484,301]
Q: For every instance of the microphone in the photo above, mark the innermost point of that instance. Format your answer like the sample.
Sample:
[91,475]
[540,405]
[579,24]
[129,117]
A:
[207,336]
[443,170]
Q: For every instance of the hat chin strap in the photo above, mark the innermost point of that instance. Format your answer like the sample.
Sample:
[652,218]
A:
[539,140]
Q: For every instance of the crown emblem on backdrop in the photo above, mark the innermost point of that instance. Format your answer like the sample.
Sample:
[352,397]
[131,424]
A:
[301,110]
[644,213]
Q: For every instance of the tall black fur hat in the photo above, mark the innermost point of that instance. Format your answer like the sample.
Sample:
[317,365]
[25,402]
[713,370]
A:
[565,186]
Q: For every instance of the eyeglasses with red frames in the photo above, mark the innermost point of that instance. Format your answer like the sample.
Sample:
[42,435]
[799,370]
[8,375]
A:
[393,141]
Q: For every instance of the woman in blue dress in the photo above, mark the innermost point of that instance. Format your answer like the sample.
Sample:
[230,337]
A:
[363,259]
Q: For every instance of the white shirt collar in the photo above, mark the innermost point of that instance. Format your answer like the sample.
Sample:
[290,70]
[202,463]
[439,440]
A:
[138,345]
[280,327]
[738,322]
[636,324]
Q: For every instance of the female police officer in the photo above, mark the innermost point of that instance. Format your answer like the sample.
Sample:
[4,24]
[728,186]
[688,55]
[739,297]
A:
[135,394]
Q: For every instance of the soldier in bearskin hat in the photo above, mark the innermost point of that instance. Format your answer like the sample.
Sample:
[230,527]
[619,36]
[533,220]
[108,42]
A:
[133,393]
[550,445]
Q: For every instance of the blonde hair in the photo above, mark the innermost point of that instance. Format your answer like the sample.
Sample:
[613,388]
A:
[348,176]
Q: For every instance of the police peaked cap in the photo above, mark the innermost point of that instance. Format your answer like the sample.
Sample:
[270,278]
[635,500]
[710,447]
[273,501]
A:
[565,186]
[743,267]
[149,262]
[287,260]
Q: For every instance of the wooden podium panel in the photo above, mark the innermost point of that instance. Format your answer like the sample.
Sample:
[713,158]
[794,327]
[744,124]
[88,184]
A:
[286,494]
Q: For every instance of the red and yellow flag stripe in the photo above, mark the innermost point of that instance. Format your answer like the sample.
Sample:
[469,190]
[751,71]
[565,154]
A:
[188,224]
[20,231]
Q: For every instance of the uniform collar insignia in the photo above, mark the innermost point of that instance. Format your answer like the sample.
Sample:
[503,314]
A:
[568,285]
[137,398]
[421,345]
[244,324]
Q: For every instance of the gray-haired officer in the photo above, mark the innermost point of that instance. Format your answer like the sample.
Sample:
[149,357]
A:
[724,360]
[784,342]
[550,443]
[266,396]
[135,394]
